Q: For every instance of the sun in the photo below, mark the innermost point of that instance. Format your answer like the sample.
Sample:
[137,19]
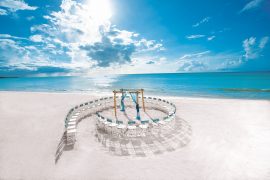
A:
[100,10]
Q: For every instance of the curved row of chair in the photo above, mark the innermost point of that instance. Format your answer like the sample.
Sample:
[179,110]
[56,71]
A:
[135,129]
[77,113]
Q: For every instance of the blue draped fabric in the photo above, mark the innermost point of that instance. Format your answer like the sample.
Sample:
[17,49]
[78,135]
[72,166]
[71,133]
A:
[122,101]
[134,98]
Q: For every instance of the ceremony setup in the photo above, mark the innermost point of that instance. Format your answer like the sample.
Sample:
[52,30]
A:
[128,114]
[132,118]
[134,89]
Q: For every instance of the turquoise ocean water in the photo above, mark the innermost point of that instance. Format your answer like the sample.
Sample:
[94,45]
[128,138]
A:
[224,85]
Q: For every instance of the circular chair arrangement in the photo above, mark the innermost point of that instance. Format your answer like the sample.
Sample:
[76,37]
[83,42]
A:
[115,127]
[137,128]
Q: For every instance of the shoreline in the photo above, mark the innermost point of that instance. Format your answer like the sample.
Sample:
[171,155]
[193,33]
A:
[98,94]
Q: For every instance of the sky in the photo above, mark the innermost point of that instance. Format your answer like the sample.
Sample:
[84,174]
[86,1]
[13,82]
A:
[85,37]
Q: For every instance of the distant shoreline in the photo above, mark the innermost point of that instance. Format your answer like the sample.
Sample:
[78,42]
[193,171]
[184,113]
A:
[100,94]
[218,72]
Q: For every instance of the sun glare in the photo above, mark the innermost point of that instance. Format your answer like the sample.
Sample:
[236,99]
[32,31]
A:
[100,10]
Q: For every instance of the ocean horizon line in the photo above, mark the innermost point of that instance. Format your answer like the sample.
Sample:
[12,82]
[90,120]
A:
[84,75]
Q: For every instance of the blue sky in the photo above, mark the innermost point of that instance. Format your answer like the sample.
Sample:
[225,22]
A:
[87,37]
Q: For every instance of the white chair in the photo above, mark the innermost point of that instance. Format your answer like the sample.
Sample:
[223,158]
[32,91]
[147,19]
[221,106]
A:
[121,129]
[72,123]
[131,130]
[144,129]
[71,136]
[155,126]
[72,119]
[112,128]
[71,127]
[161,122]
[107,122]
[168,120]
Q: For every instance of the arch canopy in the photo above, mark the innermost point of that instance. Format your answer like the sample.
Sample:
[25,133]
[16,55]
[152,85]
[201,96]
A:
[134,93]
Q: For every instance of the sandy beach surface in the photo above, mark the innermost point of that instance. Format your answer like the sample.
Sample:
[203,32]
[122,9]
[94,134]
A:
[227,139]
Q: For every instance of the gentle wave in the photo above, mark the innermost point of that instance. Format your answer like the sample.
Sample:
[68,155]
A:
[245,90]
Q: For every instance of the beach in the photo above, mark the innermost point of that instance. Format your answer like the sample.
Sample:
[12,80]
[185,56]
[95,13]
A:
[230,139]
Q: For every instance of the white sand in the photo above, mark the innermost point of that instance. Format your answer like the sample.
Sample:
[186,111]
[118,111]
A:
[230,140]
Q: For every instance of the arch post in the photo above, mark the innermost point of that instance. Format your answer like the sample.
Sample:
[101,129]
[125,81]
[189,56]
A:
[142,91]
[114,100]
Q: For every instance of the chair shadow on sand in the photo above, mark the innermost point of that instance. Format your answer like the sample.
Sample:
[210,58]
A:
[171,138]
[62,145]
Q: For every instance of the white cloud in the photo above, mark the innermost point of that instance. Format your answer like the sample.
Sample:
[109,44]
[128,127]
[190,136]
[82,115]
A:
[195,36]
[81,29]
[80,37]
[3,12]
[17,58]
[252,48]
[75,23]
[251,5]
[204,20]
[193,55]
[15,5]
[8,36]
[207,61]
[210,38]
[148,64]
[249,45]
[144,45]
[263,42]
[36,38]
[126,37]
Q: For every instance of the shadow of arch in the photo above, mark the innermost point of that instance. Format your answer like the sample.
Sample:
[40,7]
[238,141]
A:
[172,137]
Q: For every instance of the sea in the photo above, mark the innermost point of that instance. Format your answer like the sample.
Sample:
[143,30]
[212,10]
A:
[255,85]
